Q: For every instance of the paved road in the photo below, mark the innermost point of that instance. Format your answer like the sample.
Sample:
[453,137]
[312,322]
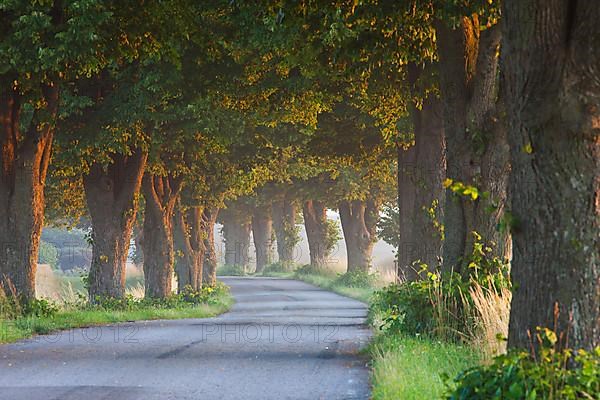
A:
[283,339]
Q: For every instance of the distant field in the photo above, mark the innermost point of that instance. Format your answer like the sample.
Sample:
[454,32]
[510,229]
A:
[57,285]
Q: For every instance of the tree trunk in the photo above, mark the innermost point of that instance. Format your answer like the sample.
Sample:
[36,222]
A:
[161,195]
[315,223]
[284,224]
[476,150]
[111,195]
[24,163]
[236,234]
[359,223]
[209,272]
[262,231]
[553,92]
[422,169]
[189,244]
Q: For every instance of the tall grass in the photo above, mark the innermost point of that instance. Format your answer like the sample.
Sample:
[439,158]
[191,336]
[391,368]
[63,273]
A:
[415,368]
[478,317]
[10,306]
[137,291]
[492,312]
[433,327]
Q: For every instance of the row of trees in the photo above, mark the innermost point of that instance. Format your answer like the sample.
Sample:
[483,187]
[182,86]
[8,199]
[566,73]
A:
[489,111]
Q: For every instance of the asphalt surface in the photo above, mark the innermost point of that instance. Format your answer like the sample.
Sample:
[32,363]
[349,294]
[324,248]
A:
[283,339]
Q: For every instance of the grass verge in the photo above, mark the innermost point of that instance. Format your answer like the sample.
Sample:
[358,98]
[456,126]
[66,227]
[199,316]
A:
[329,281]
[24,327]
[414,368]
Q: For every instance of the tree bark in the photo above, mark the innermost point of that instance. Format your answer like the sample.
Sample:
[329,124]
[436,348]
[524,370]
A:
[262,231]
[209,271]
[160,193]
[359,223]
[188,238]
[476,148]
[236,233]
[284,224]
[25,155]
[422,169]
[553,91]
[112,199]
[315,223]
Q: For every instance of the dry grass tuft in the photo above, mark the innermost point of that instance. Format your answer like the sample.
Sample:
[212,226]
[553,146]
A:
[10,306]
[137,291]
[492,311]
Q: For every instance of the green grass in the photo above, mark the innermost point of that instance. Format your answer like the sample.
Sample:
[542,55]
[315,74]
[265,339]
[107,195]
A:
[24,327]
[413,368]
[328,281]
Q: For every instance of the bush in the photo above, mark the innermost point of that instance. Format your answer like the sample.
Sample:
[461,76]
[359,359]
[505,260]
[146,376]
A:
[442,304]
[551,374]
[188,297]
[13,307]
[357,279]
[403,308]
[40,308]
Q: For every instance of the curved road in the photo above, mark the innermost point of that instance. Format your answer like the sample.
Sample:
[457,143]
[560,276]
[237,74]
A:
[283,339]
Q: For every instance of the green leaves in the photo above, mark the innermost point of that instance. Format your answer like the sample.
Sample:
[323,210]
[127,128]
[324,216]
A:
[518,376]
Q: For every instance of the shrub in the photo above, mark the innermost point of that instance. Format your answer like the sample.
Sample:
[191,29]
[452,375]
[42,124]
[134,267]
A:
[13,307]
[452,306]
[40,308]
[550,374]
[188,297]
[357,279]
[403,308]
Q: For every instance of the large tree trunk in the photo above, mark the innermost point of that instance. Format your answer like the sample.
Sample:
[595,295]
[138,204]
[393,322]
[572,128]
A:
[262,231]
[359,223]
[284,224]
[24,163]
[422,169]
[209,272]
[476,149]
[111,195]
[553,91]
[236,233]
[188,238]
[161,195]
[315,224]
